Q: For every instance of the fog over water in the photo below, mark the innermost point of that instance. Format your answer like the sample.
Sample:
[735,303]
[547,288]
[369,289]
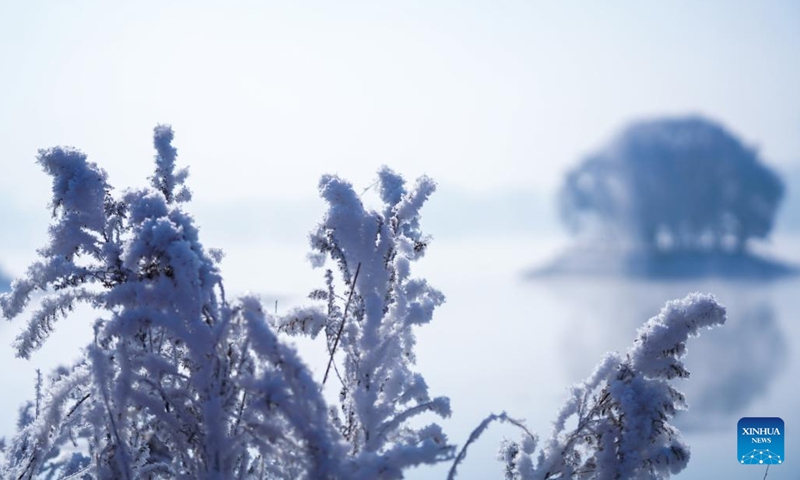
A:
[521,343]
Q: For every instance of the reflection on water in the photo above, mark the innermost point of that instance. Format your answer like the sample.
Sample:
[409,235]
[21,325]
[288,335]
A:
[730,367]
[737,364]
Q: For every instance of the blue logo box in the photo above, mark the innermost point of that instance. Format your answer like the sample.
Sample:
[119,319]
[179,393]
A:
[760,441]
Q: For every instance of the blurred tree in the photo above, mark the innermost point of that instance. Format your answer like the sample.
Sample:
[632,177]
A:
[675,184]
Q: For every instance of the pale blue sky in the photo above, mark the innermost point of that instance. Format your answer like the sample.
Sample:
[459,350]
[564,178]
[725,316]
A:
[492,99]
[265,96]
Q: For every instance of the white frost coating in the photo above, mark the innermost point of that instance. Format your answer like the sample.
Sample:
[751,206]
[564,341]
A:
[661,342]
[166,178]
[307,320]
[51,308]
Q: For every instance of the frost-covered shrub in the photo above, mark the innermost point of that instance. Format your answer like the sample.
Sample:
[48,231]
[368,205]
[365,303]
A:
[622,412]
[177,382]
[370,326]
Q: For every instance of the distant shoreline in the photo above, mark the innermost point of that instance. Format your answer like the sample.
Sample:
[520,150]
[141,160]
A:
[642,263]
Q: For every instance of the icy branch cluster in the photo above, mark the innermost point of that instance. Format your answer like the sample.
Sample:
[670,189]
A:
[177,382]
[373,332]
[180,382]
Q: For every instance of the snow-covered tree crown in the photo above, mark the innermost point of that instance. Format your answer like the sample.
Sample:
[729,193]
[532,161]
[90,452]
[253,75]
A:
[675,184]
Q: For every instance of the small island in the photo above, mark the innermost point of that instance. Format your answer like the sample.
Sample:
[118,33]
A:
[670,198]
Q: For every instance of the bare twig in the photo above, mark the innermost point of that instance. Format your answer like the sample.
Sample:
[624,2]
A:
[370,186]
[72,410]
[503,417]
[341,327]
[38,391]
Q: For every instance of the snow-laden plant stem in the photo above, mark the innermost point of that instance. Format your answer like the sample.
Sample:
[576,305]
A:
[341,325]
[478,431]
